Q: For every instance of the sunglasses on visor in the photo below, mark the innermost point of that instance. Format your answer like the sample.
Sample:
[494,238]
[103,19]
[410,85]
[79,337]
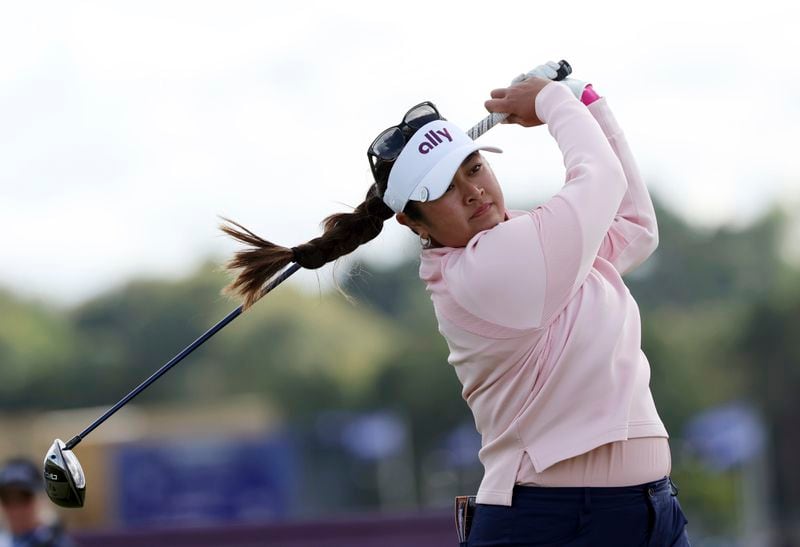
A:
[388,145]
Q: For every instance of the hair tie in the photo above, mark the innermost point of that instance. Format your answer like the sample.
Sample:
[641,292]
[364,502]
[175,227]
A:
[309,256]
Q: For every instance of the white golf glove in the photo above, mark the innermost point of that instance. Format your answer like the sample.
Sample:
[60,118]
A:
[549,71]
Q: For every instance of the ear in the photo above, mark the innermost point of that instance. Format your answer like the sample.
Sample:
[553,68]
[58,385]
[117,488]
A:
[415,225]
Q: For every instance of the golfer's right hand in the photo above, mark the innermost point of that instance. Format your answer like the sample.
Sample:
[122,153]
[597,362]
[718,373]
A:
[518,101]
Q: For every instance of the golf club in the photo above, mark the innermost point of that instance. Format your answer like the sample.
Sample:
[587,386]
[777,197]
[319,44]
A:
[64,477]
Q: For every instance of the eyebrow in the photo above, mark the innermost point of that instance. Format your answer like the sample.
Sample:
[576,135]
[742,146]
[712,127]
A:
[468,158]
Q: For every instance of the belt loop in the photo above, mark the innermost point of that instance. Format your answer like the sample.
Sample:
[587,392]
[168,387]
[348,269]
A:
[673,487]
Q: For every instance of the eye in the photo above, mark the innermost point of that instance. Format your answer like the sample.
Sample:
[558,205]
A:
[475,168]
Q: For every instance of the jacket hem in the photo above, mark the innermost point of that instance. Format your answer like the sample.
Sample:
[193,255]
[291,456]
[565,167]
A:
[493,497]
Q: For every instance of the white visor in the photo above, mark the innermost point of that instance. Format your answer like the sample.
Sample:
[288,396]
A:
[425,167]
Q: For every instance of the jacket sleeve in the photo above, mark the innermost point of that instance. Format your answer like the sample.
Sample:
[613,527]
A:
[633,235]
[524,270]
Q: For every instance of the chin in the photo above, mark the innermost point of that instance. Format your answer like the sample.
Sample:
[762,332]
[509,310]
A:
[490,219]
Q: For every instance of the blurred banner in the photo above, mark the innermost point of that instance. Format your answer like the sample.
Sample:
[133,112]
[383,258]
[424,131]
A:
[204,480]
[726,436]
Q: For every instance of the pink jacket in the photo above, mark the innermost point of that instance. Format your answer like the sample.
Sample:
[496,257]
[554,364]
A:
[543,333]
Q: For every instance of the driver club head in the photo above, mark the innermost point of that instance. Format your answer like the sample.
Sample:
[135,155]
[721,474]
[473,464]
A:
[63,476]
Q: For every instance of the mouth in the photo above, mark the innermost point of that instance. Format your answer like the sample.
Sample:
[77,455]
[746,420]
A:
[481,210]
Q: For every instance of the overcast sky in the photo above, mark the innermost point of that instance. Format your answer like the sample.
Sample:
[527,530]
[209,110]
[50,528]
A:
[125,128]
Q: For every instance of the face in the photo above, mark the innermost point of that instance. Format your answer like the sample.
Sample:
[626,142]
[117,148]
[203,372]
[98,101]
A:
[20,509]
[451,220]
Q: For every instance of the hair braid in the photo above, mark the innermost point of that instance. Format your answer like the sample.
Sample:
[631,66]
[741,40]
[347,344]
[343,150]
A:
[343,233]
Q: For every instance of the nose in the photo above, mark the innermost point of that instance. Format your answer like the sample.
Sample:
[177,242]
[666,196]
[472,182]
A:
[472,192]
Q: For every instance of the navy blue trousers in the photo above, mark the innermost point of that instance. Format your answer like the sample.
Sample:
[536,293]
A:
[646,514]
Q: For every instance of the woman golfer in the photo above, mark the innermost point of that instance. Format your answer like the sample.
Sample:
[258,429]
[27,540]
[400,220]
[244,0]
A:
[543,333]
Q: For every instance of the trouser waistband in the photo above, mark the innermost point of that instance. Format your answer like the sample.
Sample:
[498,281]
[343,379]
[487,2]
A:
[571,494]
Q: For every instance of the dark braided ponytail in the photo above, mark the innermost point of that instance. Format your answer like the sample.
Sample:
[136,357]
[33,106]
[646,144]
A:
[343,233]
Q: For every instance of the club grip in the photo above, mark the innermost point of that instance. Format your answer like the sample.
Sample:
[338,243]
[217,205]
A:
[564,70]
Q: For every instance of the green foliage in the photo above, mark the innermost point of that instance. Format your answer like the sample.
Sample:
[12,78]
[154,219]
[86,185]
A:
[713,497]
[36,344]
[694,266]
[692,354]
